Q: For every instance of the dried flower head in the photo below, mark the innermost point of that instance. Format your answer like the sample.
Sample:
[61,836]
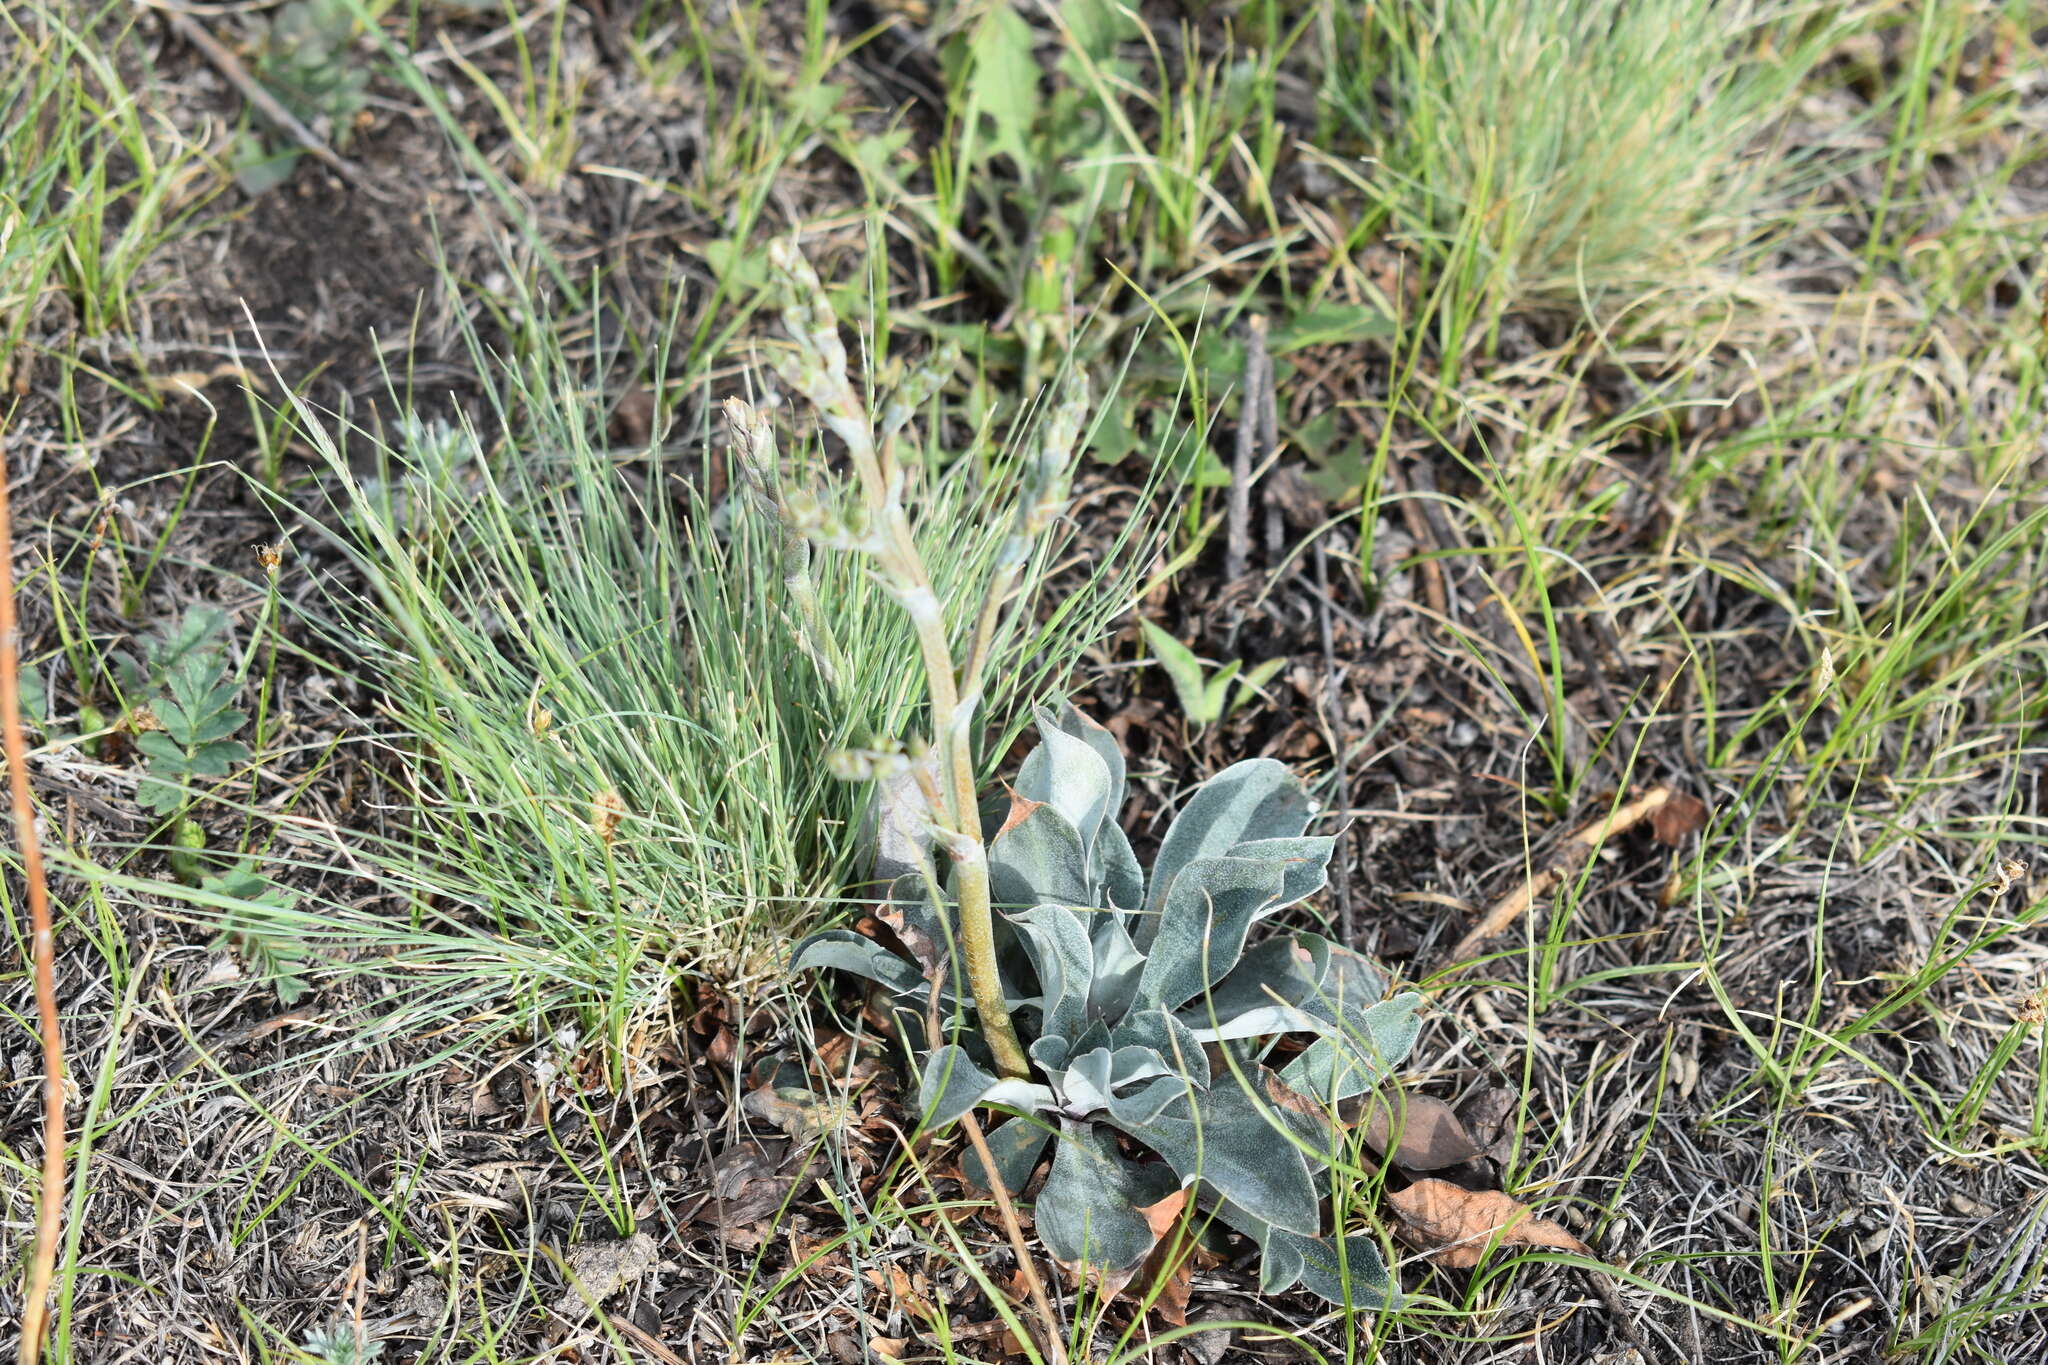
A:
[606,810]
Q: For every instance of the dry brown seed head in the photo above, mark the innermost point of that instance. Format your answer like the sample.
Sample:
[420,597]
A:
[606,810]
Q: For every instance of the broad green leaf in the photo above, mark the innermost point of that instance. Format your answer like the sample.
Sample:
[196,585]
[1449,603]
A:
[1002,83]
[953,1084]
[1329,324]
[1088,1210]
[1184,670]
[1250,683]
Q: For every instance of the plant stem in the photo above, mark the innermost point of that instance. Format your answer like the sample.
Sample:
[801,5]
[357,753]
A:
[821,375]
[42,1262]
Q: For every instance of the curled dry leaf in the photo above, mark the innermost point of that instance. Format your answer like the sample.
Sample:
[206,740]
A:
[1456,1226]
[1418,1132]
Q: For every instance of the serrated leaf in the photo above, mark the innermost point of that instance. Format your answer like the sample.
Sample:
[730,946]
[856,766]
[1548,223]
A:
[158,745]
[153,793]
[215,759]
[218,726]
[178,723]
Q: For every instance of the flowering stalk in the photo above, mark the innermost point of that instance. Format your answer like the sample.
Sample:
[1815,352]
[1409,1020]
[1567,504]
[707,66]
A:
[753,436]
[818,371]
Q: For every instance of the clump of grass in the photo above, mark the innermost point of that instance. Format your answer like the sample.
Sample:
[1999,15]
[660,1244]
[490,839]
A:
[603,712]
[1549,148]
[92,182]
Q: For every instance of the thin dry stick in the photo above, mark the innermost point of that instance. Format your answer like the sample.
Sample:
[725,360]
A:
[261,100]
[1333,720]
[42,1266]
[1569,858]
[1253,401]
[1041,1302]
[1055,1344]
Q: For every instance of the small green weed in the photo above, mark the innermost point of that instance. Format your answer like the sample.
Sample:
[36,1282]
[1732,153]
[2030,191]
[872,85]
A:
[1207,697]
[259,925]
[307,62]
[196,717]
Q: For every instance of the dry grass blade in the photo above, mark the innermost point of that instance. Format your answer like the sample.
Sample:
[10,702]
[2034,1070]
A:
[1570,856]
[43,1259]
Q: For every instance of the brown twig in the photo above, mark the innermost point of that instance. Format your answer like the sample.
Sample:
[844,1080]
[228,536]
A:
[1333,721]
[1041,1302]
[1055,1343]
[1253,401]
[1569,858]
[42,1264]
[261,100]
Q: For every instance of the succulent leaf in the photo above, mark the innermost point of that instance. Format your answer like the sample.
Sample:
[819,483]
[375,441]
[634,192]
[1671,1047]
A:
[1088,1211]
[1118,964]
[1201,930]
[1069,775]
[1169,1037]
[1242,1153]
[953,1085]
[1038,859]
[1134,1006]
[1360,1055]
[1246,802]
[1065,958]
[850,952]
[1016,1147]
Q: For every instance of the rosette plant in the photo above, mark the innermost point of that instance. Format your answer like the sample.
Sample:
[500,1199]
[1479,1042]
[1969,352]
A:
[1151,1054]
[1155,1025]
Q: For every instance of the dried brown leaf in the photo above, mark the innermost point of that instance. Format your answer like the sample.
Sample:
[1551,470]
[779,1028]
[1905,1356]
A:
[1456,1226]
[1419,1132]
[1678,817]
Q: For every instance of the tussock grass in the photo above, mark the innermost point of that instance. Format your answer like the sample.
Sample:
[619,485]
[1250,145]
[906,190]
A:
[611,750]
[1553,151]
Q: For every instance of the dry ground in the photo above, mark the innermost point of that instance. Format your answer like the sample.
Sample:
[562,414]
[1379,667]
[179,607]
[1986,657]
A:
[1785,1078]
